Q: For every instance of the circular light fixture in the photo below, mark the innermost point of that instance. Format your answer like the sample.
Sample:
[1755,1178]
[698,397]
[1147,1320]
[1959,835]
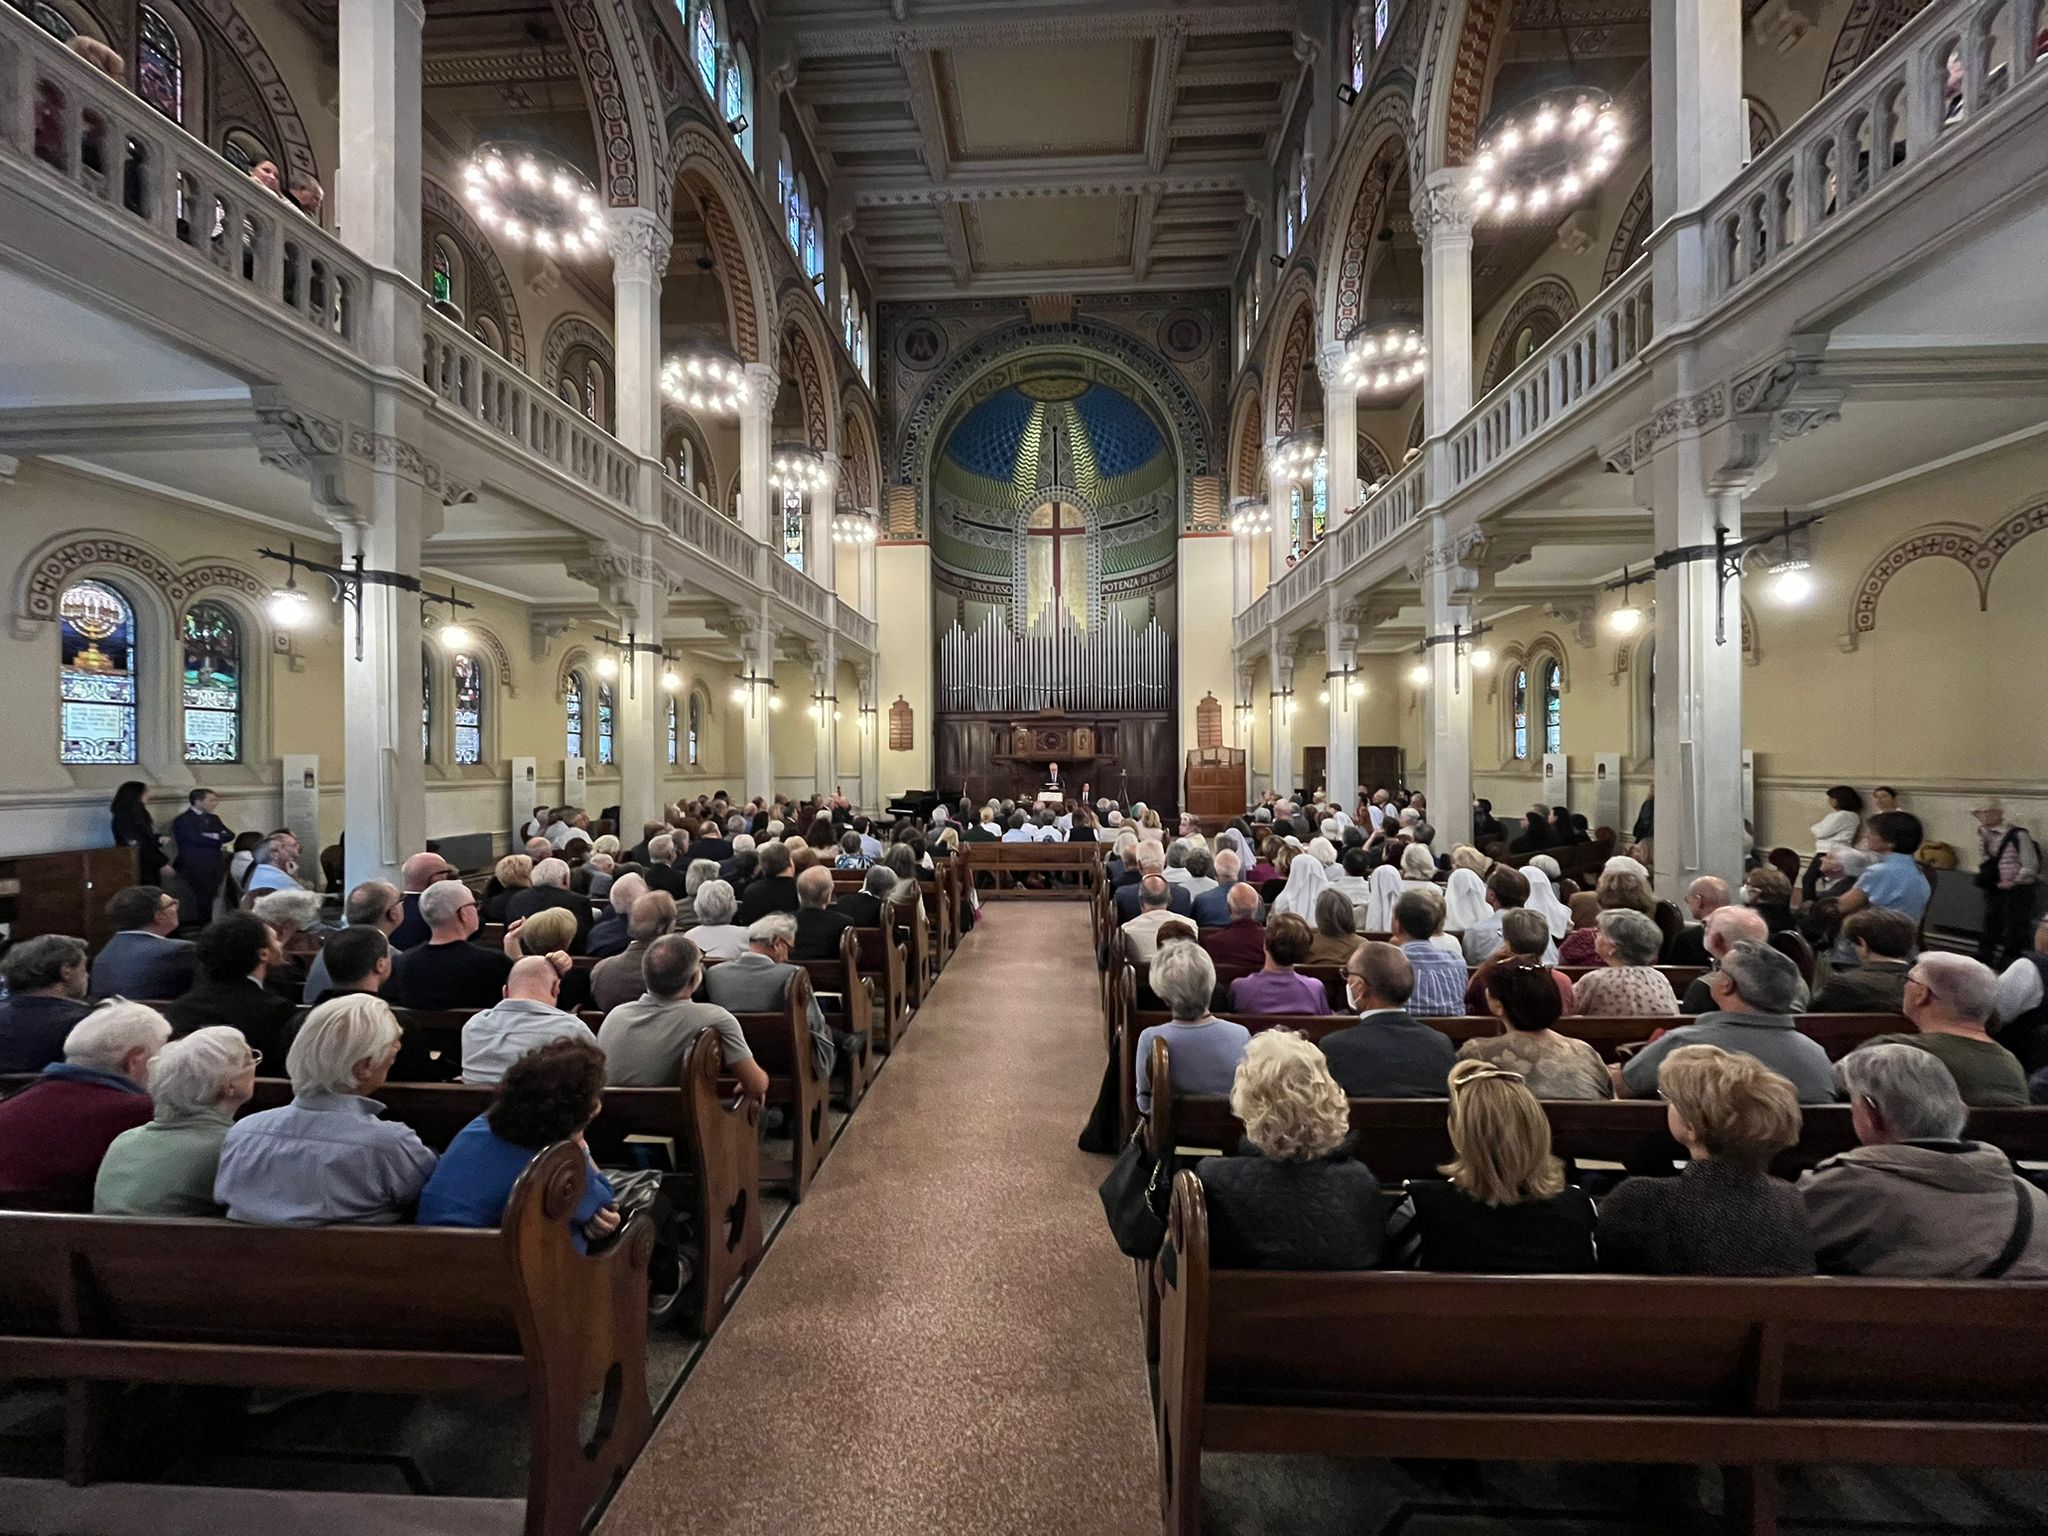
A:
[774,702]
[1626,619]
[1384,360]
[1419,674]
[1325,697]
[739,694]
[290,608]
[671,680]
[1249,517]
[799,468]
[1358,687]
[1791,582]
[1482,659]
[706,384]
[855,528]
[607,667]
[1295,458]
[526,199]
[453,637]
[1547,156]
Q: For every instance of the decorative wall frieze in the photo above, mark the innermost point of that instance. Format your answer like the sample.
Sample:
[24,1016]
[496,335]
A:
[1977,550]
[45,575]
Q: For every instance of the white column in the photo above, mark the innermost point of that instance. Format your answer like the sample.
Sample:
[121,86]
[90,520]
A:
[641,720]
[872,799]
[1696,122]
[1340,645]
[1281,719]
[821,554]
[825,729]
[1443,220]
[1278,501]
[1448,587]
[377,180]
[640,250]
[757,659]
[1340,432]
[757,418]
[1699,677]
[866,592]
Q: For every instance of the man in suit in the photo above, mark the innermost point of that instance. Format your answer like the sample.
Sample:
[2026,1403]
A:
[1239,946]
[663,872]
[1211,909]
[818,925]
[1151,861]
[757,981]
[201,837]
[550,888]
[1387,1054]
[649,831]
[142,961]
[417,873]
[709,844]
[864,908]
[775,890]
[235,954]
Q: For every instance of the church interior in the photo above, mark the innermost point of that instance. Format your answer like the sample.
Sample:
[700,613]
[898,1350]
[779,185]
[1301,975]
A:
[857,574]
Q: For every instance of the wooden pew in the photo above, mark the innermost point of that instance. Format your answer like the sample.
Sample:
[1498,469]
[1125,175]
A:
[1747,1374]
[1005,861]
[101,1301]
[849,996]
[781,1043]
[882,964]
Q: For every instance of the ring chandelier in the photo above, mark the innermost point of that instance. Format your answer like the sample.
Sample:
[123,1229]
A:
[799,469]
[1250,516]
[704,384]
[1546,156]
[526,199]
[1385,360]
[1295,458]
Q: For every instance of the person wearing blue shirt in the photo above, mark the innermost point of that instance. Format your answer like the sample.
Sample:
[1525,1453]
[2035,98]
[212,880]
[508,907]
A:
[201,837]
[546,1096]
[1894,879]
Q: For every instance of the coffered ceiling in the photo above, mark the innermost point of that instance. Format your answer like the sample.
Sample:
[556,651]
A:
[1018,146]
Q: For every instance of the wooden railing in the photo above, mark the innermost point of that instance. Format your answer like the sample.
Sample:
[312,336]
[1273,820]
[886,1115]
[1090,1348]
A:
[61,117]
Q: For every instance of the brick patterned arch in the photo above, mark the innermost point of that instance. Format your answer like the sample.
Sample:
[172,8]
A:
[1977,550]
[481,258]
[1247,442]
[1547,296]
[1284,387]
[1373,465]
[625,112]
[1381,139]
[860,465]
[1455,57]
[803,351]
[743,262]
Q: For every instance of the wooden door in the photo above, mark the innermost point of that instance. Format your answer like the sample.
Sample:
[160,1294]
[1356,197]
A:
[1313,761]
[1378,768]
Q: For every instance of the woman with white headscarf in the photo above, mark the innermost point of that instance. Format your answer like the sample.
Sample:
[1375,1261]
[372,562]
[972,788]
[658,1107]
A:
[1464,901]
[1543,898]
[1307,878]
[1383,889]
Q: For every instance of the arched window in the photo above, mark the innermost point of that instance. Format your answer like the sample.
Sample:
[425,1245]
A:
[160,65]
[96,686]
[696,720]
[1553,707]
[1284,225]
[606,709]
[1381,10]
[704,46]
[243,150]
[793,527]
[1518,713]
[426,704]
[739,99]
[814,256]
[469,710]
[671,730]
[49,18]
[441,284]
[572,704]
[1301,191]
[485,330]
[213,685]
[1320,522]
[1356,27]
[1295,542]
[785,195]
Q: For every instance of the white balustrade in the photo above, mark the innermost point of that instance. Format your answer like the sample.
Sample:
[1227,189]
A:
[799,591]
[861,631]
[1250,624]
[1951,67]
[62,118]
[709,532]
[1596,345]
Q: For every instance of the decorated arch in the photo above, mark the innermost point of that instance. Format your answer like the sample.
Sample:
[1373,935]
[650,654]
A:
[704,170]
[1247,440]
[1378,142]
[804,348]
[1538,313]
[1292,341]
[1977,550]
[612,61]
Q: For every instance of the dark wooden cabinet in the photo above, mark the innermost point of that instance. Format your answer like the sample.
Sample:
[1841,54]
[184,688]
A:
[64,892]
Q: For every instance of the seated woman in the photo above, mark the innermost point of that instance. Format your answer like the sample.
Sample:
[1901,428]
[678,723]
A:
[1725,1214]
[1202,1049]
[167,1167]
[547,1095]
[850,854]
[1294,1197]
[1263,867]
[327,1158]
[1503,1207]
[1336,929]
[1524,997]
[1768,893]
[1524,940]
[1618,889]
[511,875]
[1464,901]
[1418,867]
[1278,987]
[1631,986]
[546,932]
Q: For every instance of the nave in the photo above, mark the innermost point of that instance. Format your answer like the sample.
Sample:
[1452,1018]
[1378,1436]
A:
[942,1338]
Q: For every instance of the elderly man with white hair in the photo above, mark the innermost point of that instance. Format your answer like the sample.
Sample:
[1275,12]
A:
[525,1019]
[1725,928]
[328,1158]
[742,843]
[167,1167]
[715,931]
[757,981]
[608,935]
[54,1133]
[1915,1199]
[550,888]
[1151,860]
[1951,1000]
[1753,993]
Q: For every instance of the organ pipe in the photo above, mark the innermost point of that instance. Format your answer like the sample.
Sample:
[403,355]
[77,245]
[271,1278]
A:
[1055,664]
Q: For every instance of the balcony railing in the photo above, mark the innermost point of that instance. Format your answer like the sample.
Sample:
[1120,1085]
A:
[704,529]
[1953,65]
[799,591]
[502,399]
[60,117]
[1567,371]
[1250,624]
[851,625]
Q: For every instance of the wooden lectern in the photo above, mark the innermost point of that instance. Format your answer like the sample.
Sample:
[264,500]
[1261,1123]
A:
[1215,790]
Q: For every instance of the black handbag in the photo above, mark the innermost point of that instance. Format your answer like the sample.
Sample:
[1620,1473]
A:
[1135,1196]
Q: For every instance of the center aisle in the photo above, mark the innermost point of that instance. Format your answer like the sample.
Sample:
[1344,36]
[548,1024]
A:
[943,1337]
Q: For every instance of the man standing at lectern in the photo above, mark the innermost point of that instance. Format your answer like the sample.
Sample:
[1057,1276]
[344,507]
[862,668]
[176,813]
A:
[1054,781]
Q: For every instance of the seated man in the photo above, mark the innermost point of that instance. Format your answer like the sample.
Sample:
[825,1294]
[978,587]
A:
[276,866]
[1951,1000]
[775,889]
[1883,942]
[621,978]
[757,981]
[1141,933]
[645,1041]
[1893,879]
[1507,890]
[448,971]
[1388,1053]
[608,935]
[236,952]
[54,1133]
[46,984]
[416,874]
[1915,1199]
[1440,975]
[1239,946]
[1151,860]
[550,888]
[818,925]
[1703,898]
[1754,994]
[527,1017]
[864,908]
[1212,907]
[1726,927]
[142,961]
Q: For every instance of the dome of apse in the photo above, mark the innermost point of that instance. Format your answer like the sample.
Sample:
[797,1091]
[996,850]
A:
[1113,441]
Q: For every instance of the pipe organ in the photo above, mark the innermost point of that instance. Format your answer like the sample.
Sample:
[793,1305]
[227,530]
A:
[1055,665]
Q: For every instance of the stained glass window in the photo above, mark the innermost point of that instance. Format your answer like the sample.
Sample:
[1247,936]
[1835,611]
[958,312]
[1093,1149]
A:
[469,710]
[785,194]
[1294,540]
[1357,50]
[605,710]
[1519,704]
[442,281]
[1553,707]
[814,256]
[1321,524]
[160,66]
[426,705]
[48,17]
[671,730]
[96,640]
[1380,10]
[705,45]
[739,99]
[573,704]
[213,685]
[590,390]
[793,528]
[694,720]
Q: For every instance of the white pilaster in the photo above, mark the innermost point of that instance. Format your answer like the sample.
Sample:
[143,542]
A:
[1696,124]
[1443,220]
[641,718]
[1278,501]
[757,659]
[377,180]
[757,417]
[872,799]
[866,592]
[821,553]
[1448,587]
[825,728]
[1280,718]
[1240,572]
[640,250]
[1340,645]
[1340,432]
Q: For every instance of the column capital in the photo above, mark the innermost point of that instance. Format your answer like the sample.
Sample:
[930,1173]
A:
[1442,208]
[1329,365]
[763,385]
[640,241]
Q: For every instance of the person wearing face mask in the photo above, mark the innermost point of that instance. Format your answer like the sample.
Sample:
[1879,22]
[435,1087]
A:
[1388,1053]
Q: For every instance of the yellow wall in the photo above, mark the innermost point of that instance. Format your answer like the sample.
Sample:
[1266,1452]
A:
[903,583]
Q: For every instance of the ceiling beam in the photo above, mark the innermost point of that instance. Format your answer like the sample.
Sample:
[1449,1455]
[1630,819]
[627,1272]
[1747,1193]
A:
[1159,100]
[1097,21]
[1061,179]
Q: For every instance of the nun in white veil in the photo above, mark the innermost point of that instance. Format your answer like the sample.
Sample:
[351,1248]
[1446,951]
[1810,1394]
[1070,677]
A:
[1307,878]
[1382,889]
[1464,902]
[1543,898]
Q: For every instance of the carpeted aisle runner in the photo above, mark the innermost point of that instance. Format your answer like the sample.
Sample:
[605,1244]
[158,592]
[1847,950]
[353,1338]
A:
[943,1337]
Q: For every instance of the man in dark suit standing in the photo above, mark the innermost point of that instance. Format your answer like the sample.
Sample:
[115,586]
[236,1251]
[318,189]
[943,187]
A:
[201,838]
[1387,1054]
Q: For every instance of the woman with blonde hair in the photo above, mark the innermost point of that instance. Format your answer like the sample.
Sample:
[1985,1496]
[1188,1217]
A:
[1725,1214]
[1303,1202]
[512,874]
[548,932]
[1503,1206]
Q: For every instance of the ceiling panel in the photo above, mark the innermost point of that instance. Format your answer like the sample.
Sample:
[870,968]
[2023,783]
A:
[1057,232]
[1066,100]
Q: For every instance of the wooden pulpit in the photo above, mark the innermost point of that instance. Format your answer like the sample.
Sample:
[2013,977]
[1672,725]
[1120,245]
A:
[1215,790]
